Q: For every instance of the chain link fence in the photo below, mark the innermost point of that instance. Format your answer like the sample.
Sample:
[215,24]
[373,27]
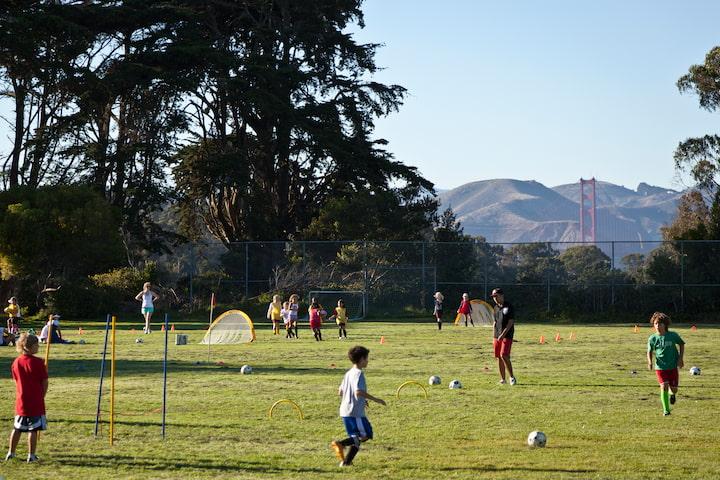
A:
[552,278]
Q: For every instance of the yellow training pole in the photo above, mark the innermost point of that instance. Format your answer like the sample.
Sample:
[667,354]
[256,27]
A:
[47,346]
[112,381]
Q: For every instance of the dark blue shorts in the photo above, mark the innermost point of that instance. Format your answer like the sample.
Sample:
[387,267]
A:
[358,427]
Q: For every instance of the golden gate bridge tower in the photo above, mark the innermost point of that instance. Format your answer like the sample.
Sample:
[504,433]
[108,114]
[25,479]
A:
[587,210]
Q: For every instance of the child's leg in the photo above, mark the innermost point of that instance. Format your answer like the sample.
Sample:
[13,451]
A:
[32,442]
[501,367]
[320,334]
[296,329]
[439,321]
[344,332]
[665,397]
[508,365]
[340,330]
[148,315]
[14,439]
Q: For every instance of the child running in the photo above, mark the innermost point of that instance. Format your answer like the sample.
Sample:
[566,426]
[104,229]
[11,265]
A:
[340,316]
[353,391]
[274,313]
[314,312]
[662,344]
[294,308]
[13,311]
[31,385]
[465,309]
[285,312]
[437,312]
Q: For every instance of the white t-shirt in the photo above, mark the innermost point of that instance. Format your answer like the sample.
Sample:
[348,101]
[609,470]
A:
[351,405]
[147,300]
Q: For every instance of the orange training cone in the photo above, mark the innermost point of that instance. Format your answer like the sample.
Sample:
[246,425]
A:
[557,337]
[382,340]
[172,327]
[572,335]
[636,329]
[80,331]
[162,329]
[542,339]
[693,328]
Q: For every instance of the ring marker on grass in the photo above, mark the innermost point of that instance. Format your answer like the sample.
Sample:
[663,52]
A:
[285,400]
[411,382]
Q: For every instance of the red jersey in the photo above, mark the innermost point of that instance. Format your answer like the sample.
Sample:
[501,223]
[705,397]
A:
[29,372]
[465,307]
[315,318]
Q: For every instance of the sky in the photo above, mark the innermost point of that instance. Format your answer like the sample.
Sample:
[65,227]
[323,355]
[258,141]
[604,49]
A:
[551,90]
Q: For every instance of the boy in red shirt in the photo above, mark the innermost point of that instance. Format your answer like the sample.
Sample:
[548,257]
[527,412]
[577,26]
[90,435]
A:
[31,384]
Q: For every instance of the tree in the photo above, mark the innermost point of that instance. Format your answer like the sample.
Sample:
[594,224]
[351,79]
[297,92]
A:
[283,120]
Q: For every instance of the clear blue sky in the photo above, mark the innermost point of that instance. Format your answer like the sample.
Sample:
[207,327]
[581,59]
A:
[548,90]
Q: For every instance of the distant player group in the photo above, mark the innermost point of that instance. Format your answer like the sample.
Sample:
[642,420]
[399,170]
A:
[287,312]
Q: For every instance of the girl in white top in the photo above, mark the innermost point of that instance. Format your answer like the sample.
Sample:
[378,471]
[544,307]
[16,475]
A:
[285,312]
[294,307]
[147,297]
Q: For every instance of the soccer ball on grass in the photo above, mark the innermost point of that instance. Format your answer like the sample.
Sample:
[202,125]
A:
[695,371]
[434,380]
[537,439]
[455,384]
[246,369]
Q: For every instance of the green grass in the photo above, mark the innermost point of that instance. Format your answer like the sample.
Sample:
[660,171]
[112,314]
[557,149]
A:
[602,422]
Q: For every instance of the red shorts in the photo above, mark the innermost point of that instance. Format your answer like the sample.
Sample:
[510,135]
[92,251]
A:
[502,347]
[668,376]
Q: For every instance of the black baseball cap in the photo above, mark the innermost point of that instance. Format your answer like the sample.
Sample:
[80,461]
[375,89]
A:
[496,292]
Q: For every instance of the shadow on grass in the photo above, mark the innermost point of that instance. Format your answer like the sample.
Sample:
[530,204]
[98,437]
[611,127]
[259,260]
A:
[611,385]
[490,468]
[228,464]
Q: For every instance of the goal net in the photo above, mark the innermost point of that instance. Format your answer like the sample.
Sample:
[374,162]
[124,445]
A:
[233,326]
[354,301]
[481,314]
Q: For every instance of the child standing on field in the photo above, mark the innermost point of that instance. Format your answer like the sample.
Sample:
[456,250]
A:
[353,391]
[274,313]
[31,384]
[13,311]
[294,308]
[148,298]
[465,309]
[285,312]
[340,316]
[668,349]
[437,312]
[315,314]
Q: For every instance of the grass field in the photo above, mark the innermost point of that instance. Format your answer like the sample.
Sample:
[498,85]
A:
[602,421]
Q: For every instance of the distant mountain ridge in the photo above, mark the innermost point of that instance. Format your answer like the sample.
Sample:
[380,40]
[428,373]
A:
[507,210]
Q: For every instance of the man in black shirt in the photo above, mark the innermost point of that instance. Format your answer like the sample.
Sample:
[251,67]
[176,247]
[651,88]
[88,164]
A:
[503,332]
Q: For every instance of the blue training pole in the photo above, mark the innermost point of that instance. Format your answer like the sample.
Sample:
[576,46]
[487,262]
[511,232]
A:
[165,376]
[102,375]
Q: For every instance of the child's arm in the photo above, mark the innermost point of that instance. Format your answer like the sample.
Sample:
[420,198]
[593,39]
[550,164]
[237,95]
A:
[681,362]
[366,395]
[269,310]
[139,296]
[45,386]
[649,359]
[510,323]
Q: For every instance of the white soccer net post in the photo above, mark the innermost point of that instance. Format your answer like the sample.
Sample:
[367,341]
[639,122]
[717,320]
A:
[355,301]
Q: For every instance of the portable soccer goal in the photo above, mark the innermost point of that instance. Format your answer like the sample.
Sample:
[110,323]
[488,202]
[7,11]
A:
[232,327]
[481,313]
[355,301]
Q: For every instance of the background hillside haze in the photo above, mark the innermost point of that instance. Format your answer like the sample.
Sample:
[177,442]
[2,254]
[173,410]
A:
[507,210]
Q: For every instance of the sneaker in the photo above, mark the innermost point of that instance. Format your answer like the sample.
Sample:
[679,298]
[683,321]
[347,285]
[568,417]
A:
[32,458]
[502,382]
[343,464]
[513,381]
[9,456]
[665,414]
[339,451]
[672,399]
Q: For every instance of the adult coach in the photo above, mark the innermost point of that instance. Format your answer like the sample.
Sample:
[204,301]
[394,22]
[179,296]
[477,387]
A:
[503,332]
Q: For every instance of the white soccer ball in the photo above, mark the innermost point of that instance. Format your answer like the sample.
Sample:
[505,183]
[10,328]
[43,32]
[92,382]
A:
[246,369]
[455,384]
[434,380]
[138,340]
[537,439]
[695,371]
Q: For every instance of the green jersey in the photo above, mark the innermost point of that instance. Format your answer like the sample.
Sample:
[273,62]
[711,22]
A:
[664,349]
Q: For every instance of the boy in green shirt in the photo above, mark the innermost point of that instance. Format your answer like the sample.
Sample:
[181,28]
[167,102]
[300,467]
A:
[668,358]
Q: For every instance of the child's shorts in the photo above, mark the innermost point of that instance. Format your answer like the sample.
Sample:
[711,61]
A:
[340,323]
[147,310]
[502,347]
[668,376]
[358,427]
[30,424]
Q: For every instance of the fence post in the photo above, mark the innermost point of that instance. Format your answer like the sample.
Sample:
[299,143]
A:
[682,275]
[247,272]
[548,281]
[422,290]
[192,271]
[612,274]
[485,275]
[365,277]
